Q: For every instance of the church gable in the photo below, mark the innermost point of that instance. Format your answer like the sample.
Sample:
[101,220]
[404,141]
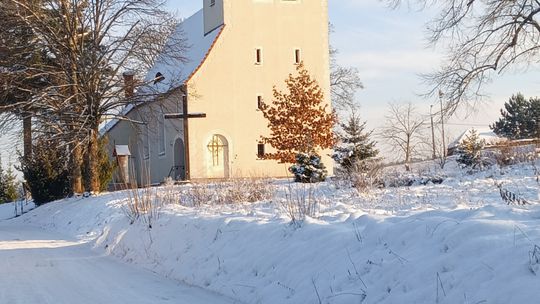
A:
[175,72]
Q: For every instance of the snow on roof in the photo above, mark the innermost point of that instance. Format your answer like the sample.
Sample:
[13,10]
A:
[485,134]
[174,70]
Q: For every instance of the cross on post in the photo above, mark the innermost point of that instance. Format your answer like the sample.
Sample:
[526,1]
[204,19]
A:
[185,117]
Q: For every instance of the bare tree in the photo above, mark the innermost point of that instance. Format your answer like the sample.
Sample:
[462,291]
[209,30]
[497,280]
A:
[484,38]
[16,83]
[92,43]
[344,82]
[403,130]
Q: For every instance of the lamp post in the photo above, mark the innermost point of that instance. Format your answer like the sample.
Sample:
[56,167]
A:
[441,95]
[432,131]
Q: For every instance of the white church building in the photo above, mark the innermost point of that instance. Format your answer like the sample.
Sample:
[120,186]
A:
[205,123]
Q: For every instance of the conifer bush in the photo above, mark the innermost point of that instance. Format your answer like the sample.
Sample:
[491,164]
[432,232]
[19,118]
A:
[47,172]
[8,186]
[308,169]
[470,151]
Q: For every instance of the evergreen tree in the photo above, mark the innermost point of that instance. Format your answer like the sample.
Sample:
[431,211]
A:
[47,171]
[470,151]
[355,143]
[11,185]
[8,185]
[308,169]
[520,118]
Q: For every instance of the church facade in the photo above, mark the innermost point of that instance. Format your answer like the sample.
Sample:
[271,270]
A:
[206,124]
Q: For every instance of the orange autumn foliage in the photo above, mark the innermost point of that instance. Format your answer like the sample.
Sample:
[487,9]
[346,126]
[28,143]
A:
[298,120]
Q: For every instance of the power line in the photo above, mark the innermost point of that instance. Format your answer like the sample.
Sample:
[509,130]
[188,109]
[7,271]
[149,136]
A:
[466,124]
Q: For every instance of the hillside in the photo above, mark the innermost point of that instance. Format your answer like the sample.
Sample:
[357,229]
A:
[455,242]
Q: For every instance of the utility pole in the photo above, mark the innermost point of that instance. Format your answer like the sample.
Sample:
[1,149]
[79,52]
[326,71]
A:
[432,132]
[441,94]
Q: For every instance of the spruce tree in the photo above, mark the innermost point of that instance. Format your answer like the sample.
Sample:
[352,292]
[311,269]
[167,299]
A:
[470,151]
[520,118]
[10,183]
[355,144]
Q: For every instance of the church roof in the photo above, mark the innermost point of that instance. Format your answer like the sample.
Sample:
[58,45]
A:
[176,71]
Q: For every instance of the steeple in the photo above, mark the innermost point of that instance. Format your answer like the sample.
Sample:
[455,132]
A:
[213,15]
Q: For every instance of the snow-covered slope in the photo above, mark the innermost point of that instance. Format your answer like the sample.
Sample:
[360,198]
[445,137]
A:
[457,242]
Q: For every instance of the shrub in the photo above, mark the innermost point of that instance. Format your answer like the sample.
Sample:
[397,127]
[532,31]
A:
[301,202]
[47,172]
[308,169]
[8,186]
[363,175]
[509,153]
[470,151]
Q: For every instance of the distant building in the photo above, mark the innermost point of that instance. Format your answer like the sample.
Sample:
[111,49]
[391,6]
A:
[487,135]
[239,50]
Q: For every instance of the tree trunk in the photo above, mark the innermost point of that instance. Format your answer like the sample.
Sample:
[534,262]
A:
[76,173]
[408,155]
[27,135]
[92,182]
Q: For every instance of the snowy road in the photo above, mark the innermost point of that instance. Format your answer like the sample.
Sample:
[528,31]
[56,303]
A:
[39,267]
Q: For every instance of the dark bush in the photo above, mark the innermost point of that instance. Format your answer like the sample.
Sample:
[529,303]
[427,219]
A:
[47,172]
[308,169]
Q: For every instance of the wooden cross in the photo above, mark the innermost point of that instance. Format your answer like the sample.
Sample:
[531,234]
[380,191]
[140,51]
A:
[185,117]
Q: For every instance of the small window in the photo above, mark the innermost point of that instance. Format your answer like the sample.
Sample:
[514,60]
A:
[297,56]
[212,2]
[260,150]
[259,102]
[258,56]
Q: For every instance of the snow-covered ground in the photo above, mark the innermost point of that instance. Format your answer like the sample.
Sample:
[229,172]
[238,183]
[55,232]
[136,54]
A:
[457,242]
[47,267]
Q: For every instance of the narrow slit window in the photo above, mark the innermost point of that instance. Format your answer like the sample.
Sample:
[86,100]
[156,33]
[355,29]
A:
[260,150]
[258,56]
[297,56]
[259,102]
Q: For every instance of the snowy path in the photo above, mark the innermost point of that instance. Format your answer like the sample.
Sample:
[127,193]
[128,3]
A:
[40,267]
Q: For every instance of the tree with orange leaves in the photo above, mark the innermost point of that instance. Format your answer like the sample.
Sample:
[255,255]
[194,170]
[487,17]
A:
[299,120]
